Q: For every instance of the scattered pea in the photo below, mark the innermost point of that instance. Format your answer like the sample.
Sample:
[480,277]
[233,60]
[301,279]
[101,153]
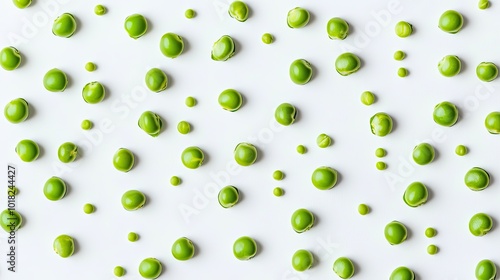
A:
[415,194]
[22,4]
[285,114]
[10,58]
[67,152]
[192,157]
[27,150]
[100,10]
[399,55]
[190,101]
[123,160]
[300,71]
[171,45]
[278,192]
[380,152]
[119,271]
[486,71]
[87,124]
[492,122]
[337,28]
[230,100]
[55,80]
[449,66]
[402,72]
[302,220]
[423,153]
[381,124]
[183,249]
[93,92]
[10,220]
[54,189]
[183,127]
[477,179]
[12,191]
[451,21]
[88,208]
[156,80]
[430,232]
[483,4]
[16,110]
[301,149]
[445,114]
[267,38]
[380,165]
[480,224]
[190,13]
[136,25]
[64,246]
[239,11]
[395,233]
[278,175]
[244,248]
[132,237]
[432,249]
[223,49]
[150,123]
[297,17]
[324,178]
[150,268]
[486,270]
[367,98]
[403,29]
[133,200]
[302,260]
[363,209]
[347,64]
[228,196]
[64,25]
[323,140]
[343,267]
[245,154]
[402,273]
[90,66]
[175,181]
[461,150]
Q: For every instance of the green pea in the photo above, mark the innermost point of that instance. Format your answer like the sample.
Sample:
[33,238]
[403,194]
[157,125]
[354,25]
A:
[267,38]
[343,267]
[300,71]
[461,150]
[415,194]
[86,124]
[337,28]
[432,249]
[27,150]
[88,208]
[10,58]
[486,270]
[223,49]
[175,181]
[347,64]
[100,10]
[363,209]
[67,152]
[156,80]
[480,224]
[323,140]
[16,110]
[64,25]
[278,191]
[477,179]
[54,188]
[133,200]
[487,71]
[12,191]
[230,100]
[399,55]
[402,273]
[423,154]
[380,165]
[297,17]
[381,124]
[239,11]
[430,232]
[150,123]
[380,152]
[402,72]
[403,29]
[171,45]
[190,101]
[244,248]
[93,92]
[285,114]
[123,160]
[451,21]
[302,260]
[64,246]
[301,149]
[278,175]
[22,4]
[119,271]
[10,220]
[492,122]
[483,4]
[445,114]
[395,233]
[90,66]
[55,80]
[136,25]
[228,196]
[302,220]
[183,249]
[150,268]
[189,13]
[449,66]
[192,157]
[324,178]
[132,236]
[245,154]
[367,98]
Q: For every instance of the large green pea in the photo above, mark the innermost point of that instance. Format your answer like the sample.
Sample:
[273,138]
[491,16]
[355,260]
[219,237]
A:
[300,71]
[402,273]
[228,196]
[22,4]
[415,194]
[27,150]
[244,248]
[123,160]
[171,45]
[150,123]
[55,80]
[347,64]
[297,17]
[477,179]
[133,200]
[285,114]
[10,220]
[93,92]
[395,232]
[302,220]
[192,157]
[423,153]
[156,80]
[324,178]
[67,152]
[54,188]
[445,114]
[16,111]
[486,270]
[150,268]
[343,267]
[64,246]
[10,58]
[230,100]
[337,28]
[183,249]
[239,11]
[136,25]
[381,124]
[245,154]
[492,122]
[64,25]
[223,49]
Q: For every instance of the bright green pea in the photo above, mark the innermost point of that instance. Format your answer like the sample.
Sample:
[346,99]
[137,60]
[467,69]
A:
[132,236]
[380,165]
[486,270]
[477,179]
[480,224]
[54,189]
[347,64]
[189,13]
[22,4]
[323,140]
[487,71]
[190,101]
[302,260]
[403,29]
[88,208]
[492,122]
[55,80]
[423,154]
[337,28]
[228,196]
[86,124]
[402,72]
[100,10]
[133,200]
[10,220]
[223,49]
[64,25]
[183,249]
[461,150]
[64,246]
[10,58]
[150,123]
[192,157]
[399,55]
[300,71]
[245,154]
[278,175]
[175,181]
[239,11]
[483,4]
[67,152]
[430,232]
[90,66]
[16,110]
[123,160]
[230,100]
[395,233]
[171,45]
[367,98]
[150,268]
[136,25]
[324,178]
[278,191]
[432,249]
[363,209]
[451,21]
[301,149]
[445,114]
[156,80]
[343,267]
[267,38]
[93,92]
[27,150]
[302,220]
[297,17]
[244,248]
[380,152]
[285,114]
[381,124]
[402,273]
[449,66]
[119,271]
[415,194]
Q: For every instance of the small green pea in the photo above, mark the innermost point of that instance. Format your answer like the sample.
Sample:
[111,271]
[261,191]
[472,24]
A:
[367,98]
[492,122]
[183,127]
[267,38]
[183,249]
[119,271]
[22,4]
[189,13]
[87,124]
[278,175]
[415,194]
[395,233]
[27,150]
[402,273]
[301,149]
[136,25]
[323,140]
[285,114]
[192,157]
[380,165]
[156,80]
[245,154]
[402,72]
[55,80]
[190,101]
[16,110]
[451,21]
[175,181]
[88,208]
[449,66]
[302,260]
[64,25]
[278,191]
[133,200]
[244,248]
[228,196]
[399,55]
[239,11]
[54,188]
[150,268]
[343,267]
[430,232]
[10,58]
[297,17]
[486,71]
[230,100]
[302,220]
[64,246]
[347,64]
[90,66]
[324,178]
[363,209]
[223,49]
[150,123]
[486,270]
[300,71]
[483,4]
[477,179]
[100,10]
[461,150]
[132,236]
[380,152]
[10,220]
[381,124]
[12,191]
[123,160]
[423,153]
[445,114]
[432,249]
[337,28]
[403,29]
[67,152]
[93,92]
[171,45]
[480,224]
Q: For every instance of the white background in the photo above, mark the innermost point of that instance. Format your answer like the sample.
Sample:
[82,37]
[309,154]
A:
[329,104]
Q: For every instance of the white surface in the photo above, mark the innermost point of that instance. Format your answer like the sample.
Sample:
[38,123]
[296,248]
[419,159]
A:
[328,104]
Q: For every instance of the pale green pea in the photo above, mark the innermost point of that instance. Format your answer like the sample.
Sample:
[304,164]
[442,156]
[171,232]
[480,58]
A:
[119,271]
[239,11]
[403,29]
[87,124]
[432,249]
[90,66]
[363,209]
[223,49]
[399,55]
[267,38]
[278,175]
[132,237]
[278,192]
[175,181]
[190,101]
[430,232]
[380,165]
[461,150]
[183,127]
[402,72]
[189,13]
[380,152]
[100,10]
[301,149]
[483,4]
[323,140]
[367,98]
[88,208]
[381,124]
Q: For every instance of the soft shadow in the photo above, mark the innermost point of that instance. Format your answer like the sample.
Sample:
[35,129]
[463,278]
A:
[171,81]
[196,250]
[260,155]
[32,111]
[241,195]
[78,25]
[23,60]
[312,18]
[206,157]
[237,46]
[76,246]
[314,72]
[339,178]
[187,45]
[357,268]
[106,95]
[436,155]
[68,188]
[494,223]
[316,261]
[260,248]
[466,20]
[70,81]
[430,194]
[464,65]
[244,101]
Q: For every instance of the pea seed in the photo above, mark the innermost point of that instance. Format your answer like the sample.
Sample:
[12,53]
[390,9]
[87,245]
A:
[403,29]
[192,157]
[54,189]
[380,152]
[123,160]
[487,71]
[278,192]
[302,220]
[132,237]
[10,220]
[492,122]
[302,260]
[12,191]
[22,4]
[156,80]
[483,4]
[183,249]
[423,154]
[402,273]
[395,233]
[477,179]
[450,66]
[119,271]
[301,149]
[367,98]
[239,11]
[133,200]
[64,25]
[93,92]
[297,17]
[445,114]
[230,100]
[323,140]
[88,208]
[245,154]
[183,127]
[430,232]
[451,21]
[150,268]
[285,114]
[10,58]
[267,38]
[223,49]
[228,196]
[432,249]
[486,270]
[300,71]
[381,124]
[90,66]
[461,150]
[190,101]
[150,123]
[55,80]
[337,28]
[175,181]
[27,150]
[67,152]
[402,72]
[347,64]
[343,267]
[189,13]
[380,165]
[278,175]
[324,178]
[244,248]
[136,26]
[64,246]
[17,110]
[87,124]
[100,10]
[415,194]
[171,45]
[480,224]
[363,209]
[399,55]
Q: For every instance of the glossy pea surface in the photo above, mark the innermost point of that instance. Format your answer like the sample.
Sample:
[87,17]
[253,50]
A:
[133,200]
[415,194]
[486,71]
[399,55]
[430,232]
[492,122]
[402,72]
[118,271]
[285,114]
[16,110]
[301,149]
[267,38]
[239,11]
[278,175]
[380,152]
[445,113]
[190,101]
[22,4]
[27,150]
[486,270]
[55,80]
[150,123]
[64,25]
[132,237]
[302,260]
[297,17]
[300,71]
[230,100]
[278,191]
[367,98]
[10,58]
[347,64]
[150,268]
[93,92]
[183,249]
[477,179]
[156,80]
[395,233]
[175,181]
[67,152]
[337,28]
[223,49]
[192,157]
[189,13]
[450,66]
[86,124]
[88,208]
[228,196]
[451,21]
[483,4]
[403,29]
[54,188]
[171,45]
[136,26]
[90,66]
[381,124]
[184,127]
[324,178]
[244,248]
[100,10]
[323,140]
[10,220]
[343,267]
[402,273]
[123,160]
[302,220]
[423,154]
[245,154]
[480,224]
[363,209]
[380,165]
[64,246]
